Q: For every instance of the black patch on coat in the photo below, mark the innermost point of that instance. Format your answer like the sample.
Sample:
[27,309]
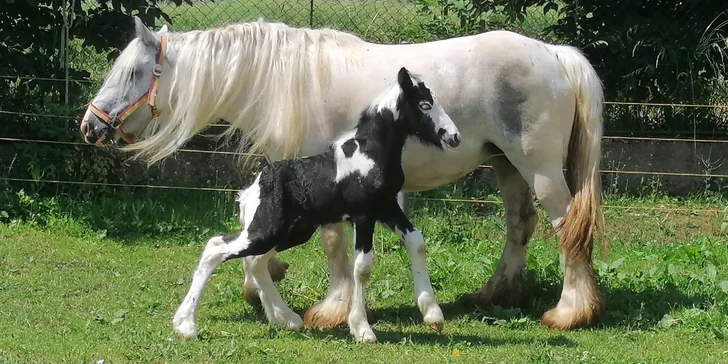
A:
[349,147]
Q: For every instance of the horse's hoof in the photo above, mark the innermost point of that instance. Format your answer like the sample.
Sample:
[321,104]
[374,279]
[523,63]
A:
[330,313]
[277,269]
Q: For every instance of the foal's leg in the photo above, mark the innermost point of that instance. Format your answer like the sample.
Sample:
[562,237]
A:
[213,255]
[506,287]
[218,250]
[276,310]
[363,261]
[334,309]
[415,245]
[276,269]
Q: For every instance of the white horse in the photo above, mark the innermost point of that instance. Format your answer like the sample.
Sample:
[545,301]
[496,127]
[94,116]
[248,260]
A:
[532,108]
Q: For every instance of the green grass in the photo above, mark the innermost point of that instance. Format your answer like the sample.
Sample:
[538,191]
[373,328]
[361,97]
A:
[379,20]
[76,287]
[384,21]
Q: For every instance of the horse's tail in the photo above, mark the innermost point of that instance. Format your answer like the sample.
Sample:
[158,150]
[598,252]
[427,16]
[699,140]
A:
[584,217]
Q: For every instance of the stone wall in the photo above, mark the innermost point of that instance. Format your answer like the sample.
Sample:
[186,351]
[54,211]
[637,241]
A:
[214,170]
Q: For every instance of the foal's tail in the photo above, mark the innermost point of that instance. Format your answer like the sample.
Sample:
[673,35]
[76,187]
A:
[582,162]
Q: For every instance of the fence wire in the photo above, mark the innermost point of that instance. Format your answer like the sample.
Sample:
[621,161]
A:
[387,21]
[384,21]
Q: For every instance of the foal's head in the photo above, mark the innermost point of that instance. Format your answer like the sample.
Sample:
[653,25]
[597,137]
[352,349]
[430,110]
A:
[416,106]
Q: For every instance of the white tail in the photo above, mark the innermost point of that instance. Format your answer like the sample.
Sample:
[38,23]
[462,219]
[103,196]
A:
[583,158]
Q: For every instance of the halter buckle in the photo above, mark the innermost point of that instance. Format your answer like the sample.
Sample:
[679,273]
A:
[157,70]
[154,110]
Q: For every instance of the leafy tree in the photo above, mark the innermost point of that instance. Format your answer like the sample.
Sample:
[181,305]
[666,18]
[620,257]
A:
[653,51]
[31,64]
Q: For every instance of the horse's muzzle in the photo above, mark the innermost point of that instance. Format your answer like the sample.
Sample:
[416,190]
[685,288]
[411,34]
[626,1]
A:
[94,131]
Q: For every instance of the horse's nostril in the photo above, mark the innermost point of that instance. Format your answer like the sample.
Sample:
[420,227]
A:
[441,132]
[454,141]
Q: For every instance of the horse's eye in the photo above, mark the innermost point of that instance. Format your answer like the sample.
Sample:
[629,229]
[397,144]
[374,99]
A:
[425,106]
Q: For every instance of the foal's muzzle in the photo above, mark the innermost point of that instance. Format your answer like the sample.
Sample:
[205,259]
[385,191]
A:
[451,140]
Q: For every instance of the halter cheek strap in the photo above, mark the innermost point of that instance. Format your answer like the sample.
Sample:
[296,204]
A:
[116,121]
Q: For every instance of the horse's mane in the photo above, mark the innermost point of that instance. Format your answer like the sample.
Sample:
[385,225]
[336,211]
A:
[123,69]
[274,78]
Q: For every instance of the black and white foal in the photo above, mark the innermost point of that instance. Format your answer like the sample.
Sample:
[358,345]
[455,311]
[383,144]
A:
[357,180]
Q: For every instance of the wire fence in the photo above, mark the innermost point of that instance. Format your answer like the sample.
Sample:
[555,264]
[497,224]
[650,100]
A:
[383,21]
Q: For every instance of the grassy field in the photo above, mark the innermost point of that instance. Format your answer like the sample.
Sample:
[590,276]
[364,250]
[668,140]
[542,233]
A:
[85,281]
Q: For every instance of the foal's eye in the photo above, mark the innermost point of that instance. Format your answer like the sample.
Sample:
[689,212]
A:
[425,106]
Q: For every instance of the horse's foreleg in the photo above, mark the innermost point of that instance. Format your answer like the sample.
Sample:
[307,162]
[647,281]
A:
[506,287]
[334,309]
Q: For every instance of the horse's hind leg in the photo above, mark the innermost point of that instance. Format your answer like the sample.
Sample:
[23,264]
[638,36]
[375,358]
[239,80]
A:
[581,301]
[506,287]
[334,309]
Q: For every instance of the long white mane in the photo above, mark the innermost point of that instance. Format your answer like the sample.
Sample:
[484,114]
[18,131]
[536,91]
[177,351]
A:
[271,79]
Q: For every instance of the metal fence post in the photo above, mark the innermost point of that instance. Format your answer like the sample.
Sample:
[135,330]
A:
[310,15]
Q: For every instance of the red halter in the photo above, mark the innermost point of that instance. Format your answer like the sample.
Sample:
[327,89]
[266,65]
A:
[116,121]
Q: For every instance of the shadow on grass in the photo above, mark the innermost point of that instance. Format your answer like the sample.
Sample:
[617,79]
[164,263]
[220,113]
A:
[393,336]
[402,317]
[625,308]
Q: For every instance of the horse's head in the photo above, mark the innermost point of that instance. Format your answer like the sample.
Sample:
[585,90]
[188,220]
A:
[128,94]
[419,107]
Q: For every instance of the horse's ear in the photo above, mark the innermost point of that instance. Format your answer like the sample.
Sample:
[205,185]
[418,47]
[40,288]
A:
[146,35]
[163,30]
[404,79]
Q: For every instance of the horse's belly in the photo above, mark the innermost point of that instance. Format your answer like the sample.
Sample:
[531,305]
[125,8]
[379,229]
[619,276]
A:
[426,168]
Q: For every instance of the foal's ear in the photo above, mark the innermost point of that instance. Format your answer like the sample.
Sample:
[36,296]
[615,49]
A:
[146,35]
[404,80]
[162,30]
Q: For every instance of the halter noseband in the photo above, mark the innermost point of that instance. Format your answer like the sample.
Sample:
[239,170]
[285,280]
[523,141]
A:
[116,121]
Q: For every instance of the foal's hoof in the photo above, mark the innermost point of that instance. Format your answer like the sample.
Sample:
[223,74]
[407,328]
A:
[437,326]
[185,329]
[366,336]
[288,321]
